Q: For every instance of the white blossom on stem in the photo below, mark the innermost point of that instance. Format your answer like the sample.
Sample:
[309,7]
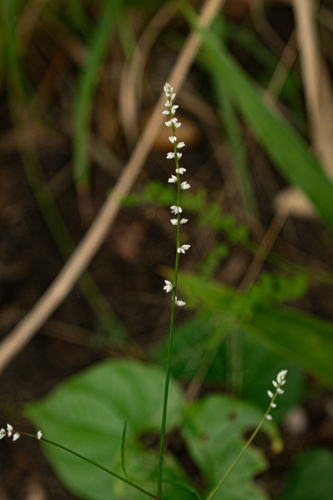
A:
[183,248]
[39,435]
[185,185]
[168,286]
[172,179]
[175,210]
[180,303]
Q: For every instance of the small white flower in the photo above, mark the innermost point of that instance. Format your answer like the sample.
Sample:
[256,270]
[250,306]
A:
[180,303]
[183,221]
[168,89]
[3,433]
[172,138]
[168,286]
[280,391]
[270,394]
[281,377]
[177,125]
[172,179]
[179,155]
[174,222]
[39,435]
[275,383]
[16,436]
[175,210]
[273,405]
[9,430]
[183,248]
[168,123]
[173,109]
[180,170]
[170,156]
[166,111]
[269,417]
[185,185]
[172,96]
[180,145]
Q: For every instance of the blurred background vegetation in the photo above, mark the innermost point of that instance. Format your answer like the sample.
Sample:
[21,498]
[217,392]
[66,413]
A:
[79,83]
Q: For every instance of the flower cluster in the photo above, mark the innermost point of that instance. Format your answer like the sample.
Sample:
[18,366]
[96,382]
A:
[278,383]
[10,432]
[175,179]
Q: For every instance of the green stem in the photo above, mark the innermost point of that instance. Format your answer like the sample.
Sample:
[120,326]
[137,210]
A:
[172,319]
[239,456]
[114,474]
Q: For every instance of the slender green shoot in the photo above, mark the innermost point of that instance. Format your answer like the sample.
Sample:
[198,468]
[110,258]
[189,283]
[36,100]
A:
[123,440]
[176,210]
[278,383]
[10,432]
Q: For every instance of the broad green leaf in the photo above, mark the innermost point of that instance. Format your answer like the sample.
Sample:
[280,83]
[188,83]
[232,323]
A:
[86,414]
[311,477]
[282,143]
[297,336]
[214,434]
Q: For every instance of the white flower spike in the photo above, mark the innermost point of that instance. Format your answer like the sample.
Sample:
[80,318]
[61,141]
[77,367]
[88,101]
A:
[175,179]
[280,380]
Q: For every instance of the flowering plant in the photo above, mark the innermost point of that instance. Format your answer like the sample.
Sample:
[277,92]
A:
[99,400]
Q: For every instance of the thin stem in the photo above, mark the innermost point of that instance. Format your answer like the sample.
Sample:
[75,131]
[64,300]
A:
[212,493]
[172,319]
[114,474]
[278,384]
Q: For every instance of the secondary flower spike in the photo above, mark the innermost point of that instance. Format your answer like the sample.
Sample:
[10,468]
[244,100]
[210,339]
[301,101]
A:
[278,383]
[10,432]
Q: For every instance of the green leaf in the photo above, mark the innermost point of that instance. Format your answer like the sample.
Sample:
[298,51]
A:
[259,362]
[282,143]
[214,434]
[297,336]
[86,89]
[311,477]
[86,414]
